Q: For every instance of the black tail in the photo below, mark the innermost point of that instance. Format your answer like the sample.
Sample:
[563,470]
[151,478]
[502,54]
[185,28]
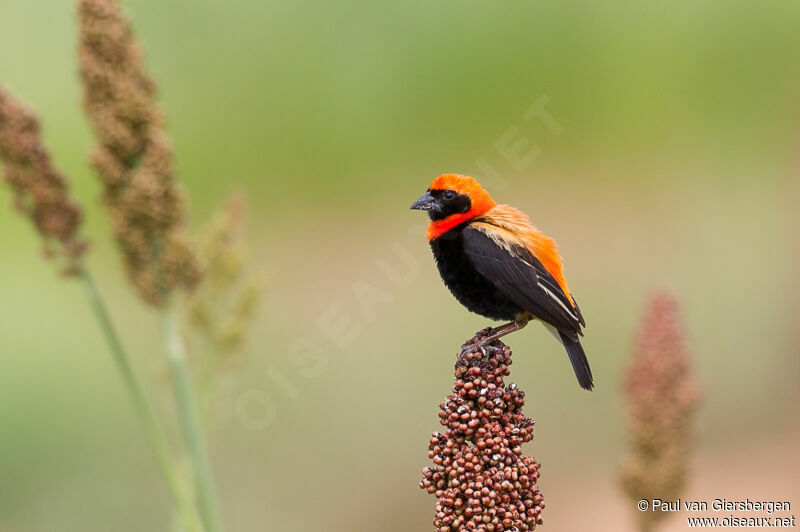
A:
[579,362]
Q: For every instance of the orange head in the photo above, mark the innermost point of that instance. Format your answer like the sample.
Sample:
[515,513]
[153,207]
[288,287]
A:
[452,200]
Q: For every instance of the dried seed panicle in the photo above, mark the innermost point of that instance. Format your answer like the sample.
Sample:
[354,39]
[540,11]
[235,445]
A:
[661,398]
[134,158]
[480,477]
[40,191]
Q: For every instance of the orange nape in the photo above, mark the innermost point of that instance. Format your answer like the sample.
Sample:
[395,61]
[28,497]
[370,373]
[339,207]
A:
[514,227]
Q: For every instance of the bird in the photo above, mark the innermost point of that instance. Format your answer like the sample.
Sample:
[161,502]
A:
[498,265]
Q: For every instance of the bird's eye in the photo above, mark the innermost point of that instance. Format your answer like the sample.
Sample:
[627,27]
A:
[449,195]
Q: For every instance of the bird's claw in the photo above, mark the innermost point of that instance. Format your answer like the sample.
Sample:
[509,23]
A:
[487,349]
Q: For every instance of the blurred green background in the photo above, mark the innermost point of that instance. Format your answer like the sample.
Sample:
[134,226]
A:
[676,167]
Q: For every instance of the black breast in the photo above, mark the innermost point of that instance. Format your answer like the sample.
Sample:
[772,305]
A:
[468,286]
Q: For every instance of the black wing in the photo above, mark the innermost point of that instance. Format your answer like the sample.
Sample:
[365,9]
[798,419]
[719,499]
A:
[524,279]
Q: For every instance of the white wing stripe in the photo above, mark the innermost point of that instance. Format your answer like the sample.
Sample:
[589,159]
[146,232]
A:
[551,294]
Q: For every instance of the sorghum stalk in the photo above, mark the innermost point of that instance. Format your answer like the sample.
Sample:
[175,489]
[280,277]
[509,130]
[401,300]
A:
[134,160]
[190,423]
[219,311]
[41,193]
[153,430]
[661,398]
[480,478]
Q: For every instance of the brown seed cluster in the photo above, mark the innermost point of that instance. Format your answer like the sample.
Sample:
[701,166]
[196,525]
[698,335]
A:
[661,397]
[480,477]
[40,192]
[134,158]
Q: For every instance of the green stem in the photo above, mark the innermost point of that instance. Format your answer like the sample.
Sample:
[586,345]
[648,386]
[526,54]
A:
[190,423]
[153,430]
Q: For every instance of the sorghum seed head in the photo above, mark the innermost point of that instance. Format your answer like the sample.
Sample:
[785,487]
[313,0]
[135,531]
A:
[480,452]
[134,158]
[222,306]
[40,191]
[661,397]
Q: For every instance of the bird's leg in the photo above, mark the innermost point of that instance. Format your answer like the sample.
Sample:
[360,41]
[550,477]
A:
[499,332]
[503,330]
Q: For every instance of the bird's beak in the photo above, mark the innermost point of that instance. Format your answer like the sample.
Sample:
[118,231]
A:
[426,202]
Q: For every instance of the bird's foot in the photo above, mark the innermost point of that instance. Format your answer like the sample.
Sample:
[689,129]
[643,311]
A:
[487,349]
